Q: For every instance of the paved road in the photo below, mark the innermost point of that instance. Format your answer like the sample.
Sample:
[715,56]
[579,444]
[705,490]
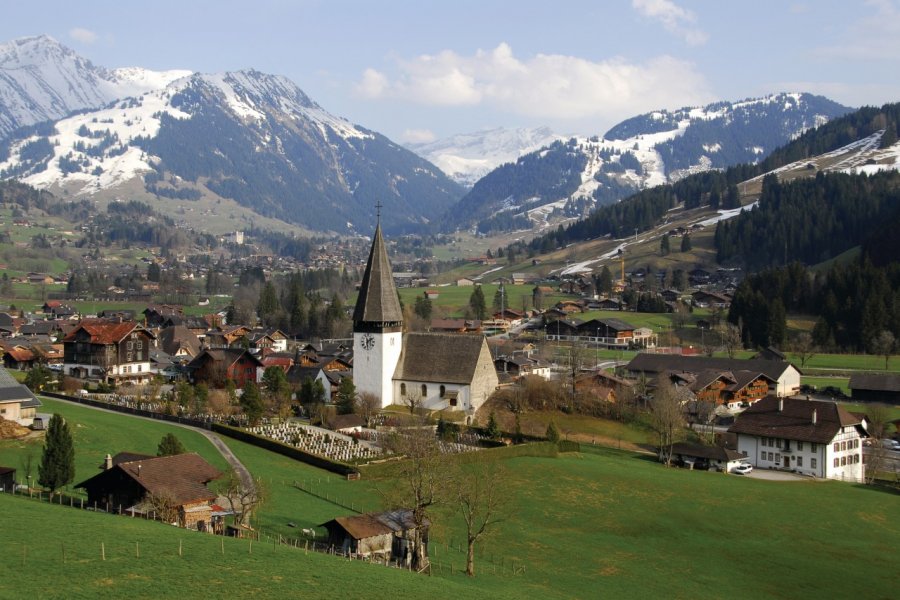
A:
[224,450]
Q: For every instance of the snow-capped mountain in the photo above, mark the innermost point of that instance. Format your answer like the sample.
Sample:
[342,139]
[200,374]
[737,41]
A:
[567,179]
[468,157]
[247,136]
[42,80]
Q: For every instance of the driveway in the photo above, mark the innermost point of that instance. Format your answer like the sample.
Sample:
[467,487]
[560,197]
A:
[775,475]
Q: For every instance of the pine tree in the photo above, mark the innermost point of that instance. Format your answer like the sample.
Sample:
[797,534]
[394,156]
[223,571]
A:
[170,445]
[268,306]
[346,397]
[251,403]
[493,429]
[664,245]
[552,433]
[605,284]
[477,303]
[57,466]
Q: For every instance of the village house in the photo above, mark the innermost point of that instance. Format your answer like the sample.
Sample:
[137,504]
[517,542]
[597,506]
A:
[785,375]
[811,437]
[215,366]
[733,389]
[866,387]
[601,385]
[17,402]
[141,484]
[385,536]
[522,366]
[179,342]
[108,350]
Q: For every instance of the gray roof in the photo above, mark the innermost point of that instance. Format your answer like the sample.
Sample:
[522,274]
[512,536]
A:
[875,382]
[377,301]
[657,363]
[441,358]
[13,391]
[792,419]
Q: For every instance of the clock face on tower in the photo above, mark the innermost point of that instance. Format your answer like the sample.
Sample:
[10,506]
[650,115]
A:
[368,342]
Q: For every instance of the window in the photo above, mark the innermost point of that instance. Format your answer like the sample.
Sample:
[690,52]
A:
[443,391]
[762,455]
[837,462]
[140,368]
[813,463]
[770,456]
[139,344]
[452,401]
[424,391]
[813,447]
[843,446]
[799,461]
[402,389]
[129,345]
[799,446]
[744,452]
[128,357]
[837,447]
[843,461]
[778,458]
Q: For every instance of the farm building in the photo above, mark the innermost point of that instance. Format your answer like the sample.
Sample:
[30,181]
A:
[386,535]
[866,387]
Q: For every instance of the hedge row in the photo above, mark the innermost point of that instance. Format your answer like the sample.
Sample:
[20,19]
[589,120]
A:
[568,446]
[284,449]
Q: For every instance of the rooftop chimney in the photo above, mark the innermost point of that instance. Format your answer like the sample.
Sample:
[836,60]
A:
[107,462]
[814,415]
[139,470]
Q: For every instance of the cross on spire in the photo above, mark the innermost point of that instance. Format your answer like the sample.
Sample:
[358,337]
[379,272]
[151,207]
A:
[378,206]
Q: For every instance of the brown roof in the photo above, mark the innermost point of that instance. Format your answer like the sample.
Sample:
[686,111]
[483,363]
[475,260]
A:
[657,363]
[795,420]
[183,477]
[370,525]
[104,332]
[440,358]
[875,382]
[377,301]
[178,336]
[707,452]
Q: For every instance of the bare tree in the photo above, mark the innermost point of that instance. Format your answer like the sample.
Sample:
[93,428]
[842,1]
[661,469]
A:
[666,419]
[483,498]
[422,481]
[244,498]
[164,506]
[731,338]
[367,406]
[804,347]
[413,401]
[878,417]
[883,344]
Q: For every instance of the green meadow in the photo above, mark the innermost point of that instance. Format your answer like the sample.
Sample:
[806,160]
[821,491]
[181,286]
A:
[599,523]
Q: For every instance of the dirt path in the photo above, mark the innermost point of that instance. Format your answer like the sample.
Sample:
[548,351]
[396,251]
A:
[214,439]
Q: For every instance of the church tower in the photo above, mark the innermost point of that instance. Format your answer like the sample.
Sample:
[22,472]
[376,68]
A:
[377,326]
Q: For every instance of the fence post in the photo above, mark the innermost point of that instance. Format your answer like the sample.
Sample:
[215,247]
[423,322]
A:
[137,549]
[102,551]
[179,548]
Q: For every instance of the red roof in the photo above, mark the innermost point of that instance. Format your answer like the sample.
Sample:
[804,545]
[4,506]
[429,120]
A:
[103,332]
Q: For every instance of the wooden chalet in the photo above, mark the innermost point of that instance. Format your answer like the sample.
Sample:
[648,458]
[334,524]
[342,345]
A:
[110,350]
[385,535]
[215,366]
[138,483]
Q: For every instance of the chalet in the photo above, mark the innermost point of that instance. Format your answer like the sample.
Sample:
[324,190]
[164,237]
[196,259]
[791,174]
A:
[48,354]
[806,436]
[875,388]
[39,278]
[464,282]
[385,536]
[770,353]
[58,310]
[785,375]
[734,389]
[112,351]
[40,329]
[17,403]
[512,317]
[601,385]
[610,304]
[523,278]
[522,366]
[155,314]
[704,299]
[17,356]
[456,325]
[132,482]
[346,424]
[227,337]
[178,341]
[215,366]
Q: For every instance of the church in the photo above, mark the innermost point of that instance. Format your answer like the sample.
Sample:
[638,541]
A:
[437,371]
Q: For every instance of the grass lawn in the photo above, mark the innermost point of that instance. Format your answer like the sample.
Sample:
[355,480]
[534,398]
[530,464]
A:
[455,300]
[98,433]
[602,523]
[822,382]
[848,362]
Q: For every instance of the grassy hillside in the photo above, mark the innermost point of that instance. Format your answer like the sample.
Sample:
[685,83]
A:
[602,523]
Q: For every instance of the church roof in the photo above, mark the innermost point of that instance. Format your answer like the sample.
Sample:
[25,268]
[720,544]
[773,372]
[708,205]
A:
[378,302]
[441,358]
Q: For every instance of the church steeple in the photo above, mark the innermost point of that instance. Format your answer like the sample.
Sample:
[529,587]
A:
[377,304]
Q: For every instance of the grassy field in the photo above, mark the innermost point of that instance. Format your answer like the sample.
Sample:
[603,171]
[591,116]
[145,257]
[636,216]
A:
[98,433]
[822,382]
[454,300]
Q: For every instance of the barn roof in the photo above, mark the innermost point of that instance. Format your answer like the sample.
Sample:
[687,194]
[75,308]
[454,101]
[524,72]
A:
[657,363]
[875,382]
[373,524]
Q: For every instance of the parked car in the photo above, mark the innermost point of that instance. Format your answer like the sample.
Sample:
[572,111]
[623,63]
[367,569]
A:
[890,444]
[742,469]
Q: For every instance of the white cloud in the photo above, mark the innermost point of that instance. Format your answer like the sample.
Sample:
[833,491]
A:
[85,36]
[417,136]
[546,85]
[676,20]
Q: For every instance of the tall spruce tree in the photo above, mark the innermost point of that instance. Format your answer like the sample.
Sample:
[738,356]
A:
[686,243]
[57,467]
[477,303]
[664,245]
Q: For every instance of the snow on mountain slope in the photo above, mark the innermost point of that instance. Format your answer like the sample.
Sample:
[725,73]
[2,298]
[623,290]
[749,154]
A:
[467,157]
[42,80]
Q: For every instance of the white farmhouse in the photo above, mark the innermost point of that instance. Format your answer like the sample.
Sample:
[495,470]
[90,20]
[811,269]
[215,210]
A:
[806,436]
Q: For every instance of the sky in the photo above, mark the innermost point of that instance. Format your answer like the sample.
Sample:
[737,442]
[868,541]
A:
[420,70]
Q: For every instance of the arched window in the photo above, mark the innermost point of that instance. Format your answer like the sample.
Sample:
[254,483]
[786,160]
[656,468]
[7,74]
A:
[424,391]
[443,391]
[402,389]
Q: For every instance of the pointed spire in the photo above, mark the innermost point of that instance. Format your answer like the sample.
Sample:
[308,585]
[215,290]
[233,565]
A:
[378,302]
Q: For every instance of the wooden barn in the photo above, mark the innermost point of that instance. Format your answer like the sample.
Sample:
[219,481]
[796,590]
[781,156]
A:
[386,535]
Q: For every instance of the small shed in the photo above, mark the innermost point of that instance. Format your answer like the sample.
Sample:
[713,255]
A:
[697,456]
[387,534]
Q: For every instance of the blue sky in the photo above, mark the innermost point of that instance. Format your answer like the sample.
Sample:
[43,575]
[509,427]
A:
[416,70]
